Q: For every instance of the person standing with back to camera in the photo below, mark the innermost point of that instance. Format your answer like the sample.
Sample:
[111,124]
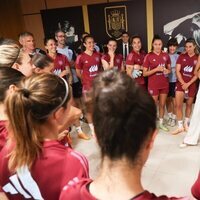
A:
[120,109]
[157,66]
[34,164]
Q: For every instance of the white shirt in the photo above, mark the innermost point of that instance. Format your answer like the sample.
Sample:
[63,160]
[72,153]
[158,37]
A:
[66,51]
[127,46]
[69,53]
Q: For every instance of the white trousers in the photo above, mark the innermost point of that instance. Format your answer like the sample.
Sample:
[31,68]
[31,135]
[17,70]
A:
[193,133]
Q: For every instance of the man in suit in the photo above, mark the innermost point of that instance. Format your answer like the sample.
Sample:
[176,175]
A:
[124,47]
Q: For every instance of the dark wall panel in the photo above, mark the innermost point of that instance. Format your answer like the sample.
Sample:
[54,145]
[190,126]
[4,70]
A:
[136,19]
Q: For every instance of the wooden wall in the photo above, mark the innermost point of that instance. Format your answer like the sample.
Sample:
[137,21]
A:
[11,20]
[32,18]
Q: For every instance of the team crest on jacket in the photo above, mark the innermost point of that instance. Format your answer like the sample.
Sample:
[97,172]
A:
[60,62]
[118,60]
[115,21]
[97,59]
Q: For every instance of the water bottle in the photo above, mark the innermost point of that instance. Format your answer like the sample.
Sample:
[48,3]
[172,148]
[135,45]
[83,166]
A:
[186,94]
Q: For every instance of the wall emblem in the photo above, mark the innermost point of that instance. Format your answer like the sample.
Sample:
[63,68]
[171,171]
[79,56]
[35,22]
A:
[115,21]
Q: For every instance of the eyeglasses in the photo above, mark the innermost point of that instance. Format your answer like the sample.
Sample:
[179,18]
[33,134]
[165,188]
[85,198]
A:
[60,36]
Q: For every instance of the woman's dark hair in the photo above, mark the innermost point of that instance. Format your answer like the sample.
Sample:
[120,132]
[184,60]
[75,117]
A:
[124,115]
[156,37]
[46,39]
[86,37]
[84,33]
[135,36]
[105,48]
[84,41]
[41,61]
[138,37]
[172,42]
[8,76]
[192,40]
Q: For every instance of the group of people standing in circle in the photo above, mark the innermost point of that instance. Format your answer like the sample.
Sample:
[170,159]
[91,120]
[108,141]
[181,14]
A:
[172,79]
[42,94]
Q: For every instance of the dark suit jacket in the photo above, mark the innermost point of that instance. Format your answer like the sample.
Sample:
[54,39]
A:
[120,48]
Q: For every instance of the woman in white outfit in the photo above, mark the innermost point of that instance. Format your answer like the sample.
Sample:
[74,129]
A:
[193,133]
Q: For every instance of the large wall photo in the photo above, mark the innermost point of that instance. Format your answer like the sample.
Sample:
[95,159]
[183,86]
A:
[177,18]
[68,19]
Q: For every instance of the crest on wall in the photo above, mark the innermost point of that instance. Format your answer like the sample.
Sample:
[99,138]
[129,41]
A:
[115,21]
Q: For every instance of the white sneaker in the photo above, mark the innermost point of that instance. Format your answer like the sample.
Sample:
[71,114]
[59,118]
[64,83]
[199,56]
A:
[173,123]
[177,131]
[169,121]
[186,126]
[183,145]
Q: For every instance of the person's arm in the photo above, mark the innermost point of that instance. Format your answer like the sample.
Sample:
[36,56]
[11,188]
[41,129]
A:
[122,67]
[73,115]
[79,67]
[167,70]
[129,70]
[107,65]
[147,72]
[168,67]
[78,73]
[178,74]
[180,79]
[63,73]
[69,74]
[145,66]
[197,68]
[3,196]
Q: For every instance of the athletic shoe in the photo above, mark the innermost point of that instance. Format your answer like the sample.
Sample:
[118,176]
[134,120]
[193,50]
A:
[186,127]
[177,131]
[169,121]
[184,145]
[173,123]
[164,128]
[83,136]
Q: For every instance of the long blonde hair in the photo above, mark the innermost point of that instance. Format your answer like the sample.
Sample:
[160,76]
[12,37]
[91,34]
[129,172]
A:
[29,107]
[9,52]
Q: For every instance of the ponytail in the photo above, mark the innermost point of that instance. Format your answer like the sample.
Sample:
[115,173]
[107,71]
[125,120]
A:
[28,108]
[26,134]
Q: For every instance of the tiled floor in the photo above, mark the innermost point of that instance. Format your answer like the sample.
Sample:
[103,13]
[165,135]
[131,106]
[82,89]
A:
[169,169]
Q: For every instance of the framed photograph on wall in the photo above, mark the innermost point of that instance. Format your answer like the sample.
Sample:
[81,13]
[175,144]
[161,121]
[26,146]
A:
[70,20]
[177,18]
